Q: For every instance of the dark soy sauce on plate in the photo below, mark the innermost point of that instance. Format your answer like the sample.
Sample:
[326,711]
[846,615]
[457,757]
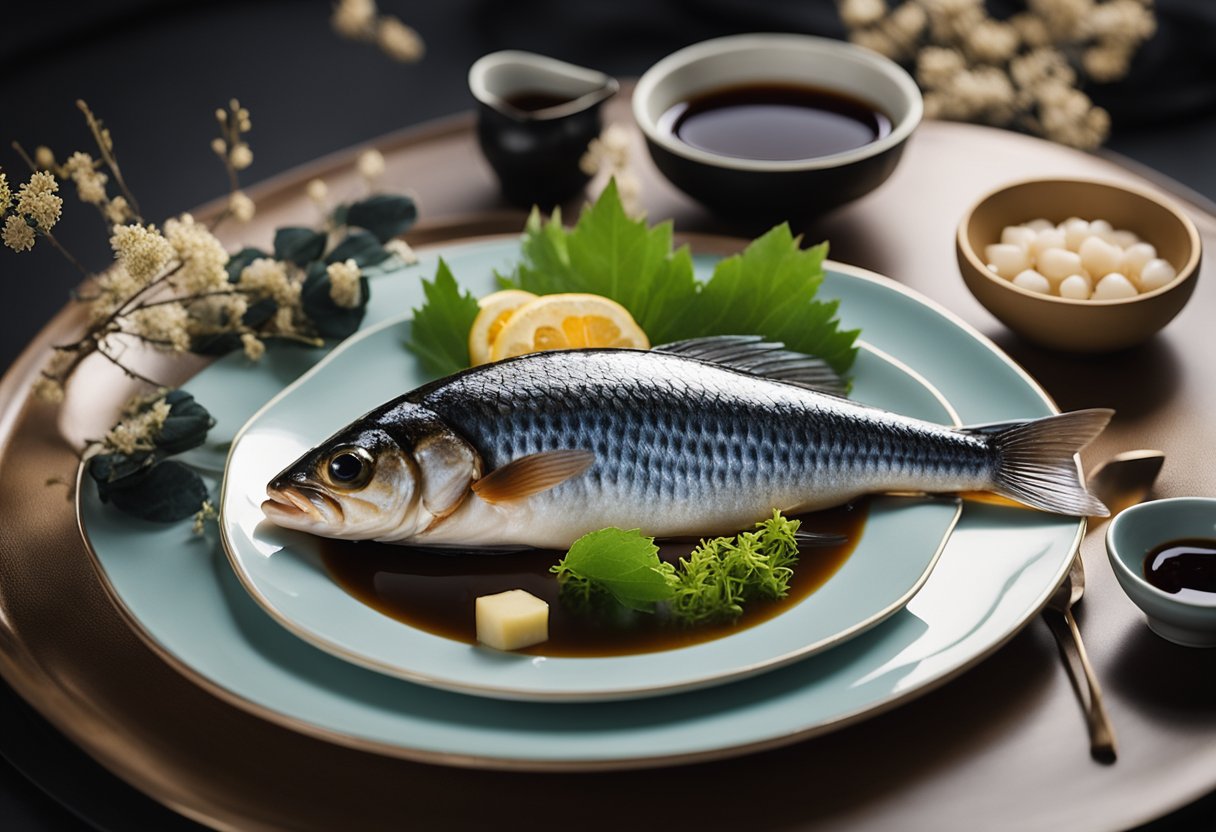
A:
[530,101]
[436,593]
[1183,567]
[775,122]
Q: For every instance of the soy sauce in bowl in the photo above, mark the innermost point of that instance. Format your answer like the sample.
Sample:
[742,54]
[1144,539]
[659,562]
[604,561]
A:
[775,122]
[1186,566]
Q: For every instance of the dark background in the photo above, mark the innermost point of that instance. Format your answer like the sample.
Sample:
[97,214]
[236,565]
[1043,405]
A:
[155,70]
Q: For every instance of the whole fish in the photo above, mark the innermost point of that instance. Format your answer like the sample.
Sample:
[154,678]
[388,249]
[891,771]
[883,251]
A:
[701,437]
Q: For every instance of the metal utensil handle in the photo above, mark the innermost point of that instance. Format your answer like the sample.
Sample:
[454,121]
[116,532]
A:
[1068,637]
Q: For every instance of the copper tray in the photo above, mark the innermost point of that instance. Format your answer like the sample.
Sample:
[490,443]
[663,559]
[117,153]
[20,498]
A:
[1004,746]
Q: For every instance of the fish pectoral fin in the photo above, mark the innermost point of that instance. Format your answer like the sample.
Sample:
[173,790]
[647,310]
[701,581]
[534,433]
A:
[767,359]
[532,474]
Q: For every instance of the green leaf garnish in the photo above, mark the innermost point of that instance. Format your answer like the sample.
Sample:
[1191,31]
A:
[611,254]
[768,290]
[718,577]
[623,564]
[440,334]
[711,585]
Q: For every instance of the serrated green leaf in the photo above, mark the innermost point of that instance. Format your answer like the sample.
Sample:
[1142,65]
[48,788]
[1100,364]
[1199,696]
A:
[360,246]
[440,333]
[298,245]
[769,290]
[624,563]
[611,254]
[237,262]
[328,318]
[169,492]
[384,215]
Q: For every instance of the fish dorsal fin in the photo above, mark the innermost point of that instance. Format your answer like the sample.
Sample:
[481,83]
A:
[768,359]
[532,474]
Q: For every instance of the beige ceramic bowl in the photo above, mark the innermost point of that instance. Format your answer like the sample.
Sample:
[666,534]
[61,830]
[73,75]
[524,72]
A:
[1077,325]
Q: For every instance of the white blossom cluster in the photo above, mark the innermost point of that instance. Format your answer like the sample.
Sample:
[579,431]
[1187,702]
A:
[236,155]
[33,210]
[607,157]
[361,20]
[1022,71]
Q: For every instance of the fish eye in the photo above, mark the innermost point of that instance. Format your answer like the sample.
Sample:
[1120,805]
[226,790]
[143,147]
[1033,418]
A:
[349,468]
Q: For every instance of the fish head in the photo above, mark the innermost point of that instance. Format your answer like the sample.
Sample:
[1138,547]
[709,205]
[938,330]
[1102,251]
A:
[388,476]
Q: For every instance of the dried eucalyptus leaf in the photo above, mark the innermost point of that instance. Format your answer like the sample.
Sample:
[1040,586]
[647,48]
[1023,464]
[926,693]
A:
[361,247]
[117,471]
[385,215]
[169,492]
[329,319]
[259,313]
[298,245]
[186,425]
[216,343]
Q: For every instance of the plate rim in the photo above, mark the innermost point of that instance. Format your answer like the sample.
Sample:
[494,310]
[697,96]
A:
[319,640]
[507,763]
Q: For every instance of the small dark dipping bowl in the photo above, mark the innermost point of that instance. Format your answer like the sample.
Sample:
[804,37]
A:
[767,189]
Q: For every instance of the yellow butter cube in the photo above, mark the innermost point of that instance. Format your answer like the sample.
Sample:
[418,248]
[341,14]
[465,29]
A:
[511,620]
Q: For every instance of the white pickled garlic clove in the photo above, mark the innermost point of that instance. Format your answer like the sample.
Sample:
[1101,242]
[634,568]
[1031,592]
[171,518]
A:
[1155,274]
[1114,287]
[1124,238]
[1039,224]
[1032,281]
[1055,264]
[1100,257]
[1008,258]
[1045,239]
[1101,228]
[1076,286]
[1018,235]
[1076,231]
[1135,257]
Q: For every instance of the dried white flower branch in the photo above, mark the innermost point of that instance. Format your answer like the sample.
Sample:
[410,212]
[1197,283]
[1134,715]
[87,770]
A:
[1023,71]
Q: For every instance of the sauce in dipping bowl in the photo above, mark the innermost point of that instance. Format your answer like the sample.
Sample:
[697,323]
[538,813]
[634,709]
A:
[1143,541]
[773,127]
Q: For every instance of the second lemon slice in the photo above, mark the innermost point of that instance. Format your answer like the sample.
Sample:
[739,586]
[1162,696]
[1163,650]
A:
[495,311]
[567,321]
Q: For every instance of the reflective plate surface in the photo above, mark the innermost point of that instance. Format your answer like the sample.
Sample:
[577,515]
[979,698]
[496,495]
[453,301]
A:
[998,568]
[284,572]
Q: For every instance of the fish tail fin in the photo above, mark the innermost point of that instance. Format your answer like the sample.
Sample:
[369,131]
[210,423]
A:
[1036,461]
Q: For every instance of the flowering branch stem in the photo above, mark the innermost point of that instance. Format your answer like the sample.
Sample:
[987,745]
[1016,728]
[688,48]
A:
[127,370]
[25,157]
[105,146]
[126,305]
[191,298]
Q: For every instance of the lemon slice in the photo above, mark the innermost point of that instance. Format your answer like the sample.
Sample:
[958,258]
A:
[568,321]
[495,311]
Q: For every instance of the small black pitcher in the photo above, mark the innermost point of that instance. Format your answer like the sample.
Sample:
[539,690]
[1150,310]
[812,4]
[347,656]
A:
[535,120]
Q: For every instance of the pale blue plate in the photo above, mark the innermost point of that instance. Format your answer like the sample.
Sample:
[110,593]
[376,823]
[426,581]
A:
[997,571]
[283,571]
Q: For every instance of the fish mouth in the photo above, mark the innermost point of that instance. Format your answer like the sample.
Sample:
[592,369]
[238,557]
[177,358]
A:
[301,505]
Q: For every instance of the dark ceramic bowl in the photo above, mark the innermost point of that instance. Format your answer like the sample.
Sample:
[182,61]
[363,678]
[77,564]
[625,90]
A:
[776,189]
